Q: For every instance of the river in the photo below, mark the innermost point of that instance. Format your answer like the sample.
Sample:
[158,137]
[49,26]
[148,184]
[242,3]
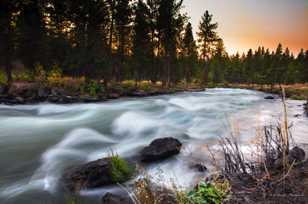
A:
[37,142]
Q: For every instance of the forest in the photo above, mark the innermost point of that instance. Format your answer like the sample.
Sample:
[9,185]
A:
[117,40]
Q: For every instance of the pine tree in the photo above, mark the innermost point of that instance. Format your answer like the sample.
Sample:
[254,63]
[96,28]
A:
[190,53]
[123,12]
[142,51]
[207,36]
[7,36]
[168,27]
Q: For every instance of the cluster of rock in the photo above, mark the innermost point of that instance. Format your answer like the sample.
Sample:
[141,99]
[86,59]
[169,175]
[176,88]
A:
[99,173]
[29,93]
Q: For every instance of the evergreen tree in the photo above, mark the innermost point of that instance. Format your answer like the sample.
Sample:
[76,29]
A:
[190,53]
[168,26]
[8,9]
[142,40]
[207,36]
[123,12]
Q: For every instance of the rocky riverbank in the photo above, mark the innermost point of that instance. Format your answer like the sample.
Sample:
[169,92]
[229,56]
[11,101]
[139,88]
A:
[31,93]
[295,91]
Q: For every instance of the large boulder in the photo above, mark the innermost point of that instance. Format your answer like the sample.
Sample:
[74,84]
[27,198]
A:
[161,149]
[95,174]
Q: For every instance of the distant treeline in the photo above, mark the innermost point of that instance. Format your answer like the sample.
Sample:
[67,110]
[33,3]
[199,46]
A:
[129,39]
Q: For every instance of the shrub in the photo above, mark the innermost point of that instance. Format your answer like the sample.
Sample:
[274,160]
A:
[2,77]
[128,84]
[145,85]
[40,74]
[207,193]
[55,76]
[121,170]
[91,87]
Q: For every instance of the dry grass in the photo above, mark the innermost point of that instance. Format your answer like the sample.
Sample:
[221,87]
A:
[270,178]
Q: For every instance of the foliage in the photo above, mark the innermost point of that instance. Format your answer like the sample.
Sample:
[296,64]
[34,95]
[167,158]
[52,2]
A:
[121,170]
[40,74]
[207,193]
[54,77]
[91,87]
[145,85]
[130,40]
[128,84]
[2,77]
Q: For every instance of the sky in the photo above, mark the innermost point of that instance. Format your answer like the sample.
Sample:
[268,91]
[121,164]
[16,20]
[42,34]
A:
[244,24]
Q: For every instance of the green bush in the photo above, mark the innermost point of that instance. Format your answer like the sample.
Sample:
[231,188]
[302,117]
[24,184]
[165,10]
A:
[92,88]
[206,193]
[2,77]
[121,170]
[40,73]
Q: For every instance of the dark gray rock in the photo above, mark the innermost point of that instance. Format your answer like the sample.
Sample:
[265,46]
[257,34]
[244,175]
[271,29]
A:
[110,198]
[199,167]
[88,176]
[3,89]
[296,154]
[161,149]
[43,92]
[269,97]
[58,91]
[113,96]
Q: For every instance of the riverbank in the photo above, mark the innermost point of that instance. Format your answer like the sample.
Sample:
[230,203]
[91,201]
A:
[32,93]
[294,91]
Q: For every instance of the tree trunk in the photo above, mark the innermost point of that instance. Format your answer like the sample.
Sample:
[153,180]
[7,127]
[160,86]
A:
[8,71]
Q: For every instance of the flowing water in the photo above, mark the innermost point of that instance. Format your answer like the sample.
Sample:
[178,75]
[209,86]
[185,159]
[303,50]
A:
[37,142]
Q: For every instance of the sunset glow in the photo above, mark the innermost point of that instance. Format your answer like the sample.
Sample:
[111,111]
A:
[245,24]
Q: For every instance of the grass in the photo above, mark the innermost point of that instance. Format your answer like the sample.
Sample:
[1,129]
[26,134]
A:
[121,169]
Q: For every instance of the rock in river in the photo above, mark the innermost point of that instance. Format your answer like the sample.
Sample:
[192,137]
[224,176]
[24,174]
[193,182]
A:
[110,198]
[296,154]
[269,97]
[161,149]
[95,174]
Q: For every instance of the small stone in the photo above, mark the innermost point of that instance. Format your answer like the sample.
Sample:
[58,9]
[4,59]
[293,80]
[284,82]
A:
[269,97]
[296,155]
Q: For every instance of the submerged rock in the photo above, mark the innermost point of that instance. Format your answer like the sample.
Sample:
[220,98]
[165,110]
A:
[269,97]
[161,149]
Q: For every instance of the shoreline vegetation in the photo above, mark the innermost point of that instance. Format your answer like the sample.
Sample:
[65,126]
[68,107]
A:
[66,90]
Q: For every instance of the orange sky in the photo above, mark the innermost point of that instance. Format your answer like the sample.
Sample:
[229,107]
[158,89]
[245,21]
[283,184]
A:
[245,24]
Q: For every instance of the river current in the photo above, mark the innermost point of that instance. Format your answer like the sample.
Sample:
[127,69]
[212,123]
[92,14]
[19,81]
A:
[37,142]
